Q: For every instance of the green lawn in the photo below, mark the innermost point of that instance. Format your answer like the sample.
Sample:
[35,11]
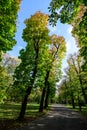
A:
[10,111]
[83,110]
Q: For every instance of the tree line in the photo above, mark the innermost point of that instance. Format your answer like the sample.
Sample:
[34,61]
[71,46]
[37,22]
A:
[38,66]
[73,88]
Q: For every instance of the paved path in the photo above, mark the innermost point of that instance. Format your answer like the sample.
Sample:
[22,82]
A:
[60,118]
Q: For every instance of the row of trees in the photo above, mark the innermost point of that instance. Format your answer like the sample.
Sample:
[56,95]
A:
[75,13]
[38,68]
[39,60]
[73,89]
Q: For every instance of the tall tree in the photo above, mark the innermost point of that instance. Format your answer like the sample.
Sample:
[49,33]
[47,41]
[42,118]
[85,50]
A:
[75,88]
[76,62]
[57,51]
[36,36]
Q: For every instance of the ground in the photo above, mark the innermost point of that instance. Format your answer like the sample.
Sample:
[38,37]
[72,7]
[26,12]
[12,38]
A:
[59,118]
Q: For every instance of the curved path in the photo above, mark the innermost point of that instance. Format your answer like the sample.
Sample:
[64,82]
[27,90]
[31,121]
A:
[59,118]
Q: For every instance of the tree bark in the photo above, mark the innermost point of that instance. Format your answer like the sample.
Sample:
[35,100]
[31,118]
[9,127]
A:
[42,100]
[28,91]
[47,97]
[24,104]
[79,102]
[73,103]
[44,92]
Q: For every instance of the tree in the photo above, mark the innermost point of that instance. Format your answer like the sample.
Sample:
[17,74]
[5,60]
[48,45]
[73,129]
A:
[51,86]
[75,85]
[8,17]
[75,13]
[57,51]
[76,61]
[7,68]
[36,36]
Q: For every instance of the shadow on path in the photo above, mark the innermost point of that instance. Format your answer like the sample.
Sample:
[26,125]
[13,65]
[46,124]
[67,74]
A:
[59,118]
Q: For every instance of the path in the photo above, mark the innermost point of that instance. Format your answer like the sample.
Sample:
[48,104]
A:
[60,118]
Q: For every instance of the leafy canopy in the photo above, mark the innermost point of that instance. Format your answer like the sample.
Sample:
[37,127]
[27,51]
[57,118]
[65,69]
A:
[8,20]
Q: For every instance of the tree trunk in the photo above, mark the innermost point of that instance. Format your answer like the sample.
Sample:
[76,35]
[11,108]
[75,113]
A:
[79,103]
[44,92]
[73,103]
[24,104]
[28,91]
[47,97]
[42,100]
[83,91]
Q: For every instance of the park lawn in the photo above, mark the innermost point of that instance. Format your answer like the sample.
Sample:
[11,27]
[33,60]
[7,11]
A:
[83,109]
[10,111]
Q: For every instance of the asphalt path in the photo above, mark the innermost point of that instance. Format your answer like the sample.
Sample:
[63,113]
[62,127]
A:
[59,118]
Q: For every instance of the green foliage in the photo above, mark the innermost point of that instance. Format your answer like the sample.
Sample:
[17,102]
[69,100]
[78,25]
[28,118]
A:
[8,16]
[64,10]
[3,84]
[73,12]
[74,84]
[7,67]
[32,58]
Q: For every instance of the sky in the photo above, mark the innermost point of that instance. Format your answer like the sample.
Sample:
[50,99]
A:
[30,7]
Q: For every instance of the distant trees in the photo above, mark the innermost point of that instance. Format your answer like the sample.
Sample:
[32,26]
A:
[57,52]
[74,13]
[73,88]
[7,67]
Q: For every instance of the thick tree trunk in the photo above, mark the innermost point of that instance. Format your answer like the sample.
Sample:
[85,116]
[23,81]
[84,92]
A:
[28,91]
[47,97]
[24,104]
[44,92]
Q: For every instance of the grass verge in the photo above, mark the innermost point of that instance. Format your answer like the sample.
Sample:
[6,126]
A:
[83,109]
[10,111]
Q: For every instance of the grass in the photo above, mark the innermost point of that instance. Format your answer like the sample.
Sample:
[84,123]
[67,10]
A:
[10,111]
[83,109]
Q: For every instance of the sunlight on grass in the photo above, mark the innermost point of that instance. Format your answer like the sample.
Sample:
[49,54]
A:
[83,109]
[11,110]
